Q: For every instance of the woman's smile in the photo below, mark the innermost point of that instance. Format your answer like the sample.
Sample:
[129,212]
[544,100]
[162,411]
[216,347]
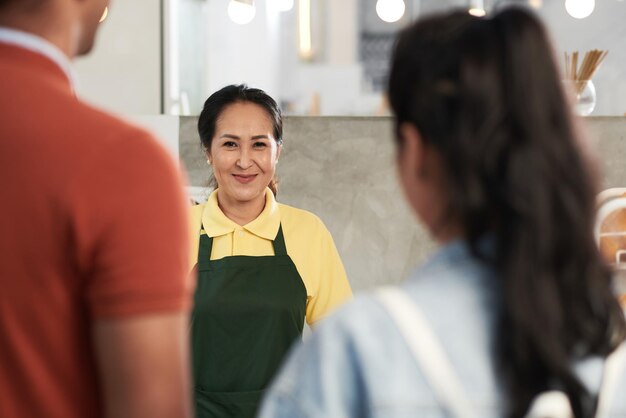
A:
[245,178]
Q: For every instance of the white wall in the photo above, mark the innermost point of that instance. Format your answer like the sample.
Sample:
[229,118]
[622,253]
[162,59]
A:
[123,73]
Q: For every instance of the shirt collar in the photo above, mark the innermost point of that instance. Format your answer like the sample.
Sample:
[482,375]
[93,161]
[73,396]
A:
[41,46]
[265,225]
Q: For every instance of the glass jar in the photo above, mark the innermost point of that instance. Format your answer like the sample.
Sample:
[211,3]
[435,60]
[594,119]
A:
[583,94]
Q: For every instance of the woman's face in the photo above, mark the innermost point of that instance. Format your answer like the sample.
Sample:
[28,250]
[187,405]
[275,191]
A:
[244,152]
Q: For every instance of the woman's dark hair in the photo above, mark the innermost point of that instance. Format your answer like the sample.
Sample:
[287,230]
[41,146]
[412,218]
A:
[221,99]
[485,93]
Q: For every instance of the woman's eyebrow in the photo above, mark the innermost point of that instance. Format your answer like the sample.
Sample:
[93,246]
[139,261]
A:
[230,136]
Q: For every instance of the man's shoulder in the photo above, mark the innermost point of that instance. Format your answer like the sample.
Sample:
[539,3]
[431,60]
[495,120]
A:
[104,126]
[53,108]
[111,137]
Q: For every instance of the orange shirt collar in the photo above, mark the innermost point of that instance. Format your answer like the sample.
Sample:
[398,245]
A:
[40,46]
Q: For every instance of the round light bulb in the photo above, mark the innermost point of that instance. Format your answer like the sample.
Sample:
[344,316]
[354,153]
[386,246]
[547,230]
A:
[477,12]
[580,9]
[241,13]
[283,5]
[390,10]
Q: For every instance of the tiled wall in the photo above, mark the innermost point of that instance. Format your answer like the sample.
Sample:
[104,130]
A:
[342,169]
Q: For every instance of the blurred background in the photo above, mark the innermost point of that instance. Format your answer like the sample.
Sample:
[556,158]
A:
[316,57]
[326,62]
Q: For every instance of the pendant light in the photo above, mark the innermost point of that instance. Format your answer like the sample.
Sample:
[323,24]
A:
[477,8]
[580,9]
[241,11]
[390,10]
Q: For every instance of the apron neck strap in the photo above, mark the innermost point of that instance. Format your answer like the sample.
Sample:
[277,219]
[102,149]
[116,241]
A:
[279,242]
[206,244]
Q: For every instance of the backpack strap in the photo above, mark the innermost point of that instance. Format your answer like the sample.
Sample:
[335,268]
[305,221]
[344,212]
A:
[427,351]
[440,375]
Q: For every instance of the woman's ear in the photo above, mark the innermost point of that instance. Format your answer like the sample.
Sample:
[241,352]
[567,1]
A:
[279,148]
[410,166]
[421,175]
[411,156]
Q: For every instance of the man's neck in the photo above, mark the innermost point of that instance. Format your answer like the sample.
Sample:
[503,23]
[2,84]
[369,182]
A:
[62,32]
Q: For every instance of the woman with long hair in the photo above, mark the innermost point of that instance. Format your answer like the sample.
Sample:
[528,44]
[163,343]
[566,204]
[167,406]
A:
[517,300]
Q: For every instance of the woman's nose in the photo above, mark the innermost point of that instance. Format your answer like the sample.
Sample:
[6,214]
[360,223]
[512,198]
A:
[244,160]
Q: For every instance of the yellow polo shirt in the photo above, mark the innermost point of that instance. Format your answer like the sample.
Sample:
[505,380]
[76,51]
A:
[308,242]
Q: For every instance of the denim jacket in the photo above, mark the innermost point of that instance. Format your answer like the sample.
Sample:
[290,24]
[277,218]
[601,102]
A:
[356,363]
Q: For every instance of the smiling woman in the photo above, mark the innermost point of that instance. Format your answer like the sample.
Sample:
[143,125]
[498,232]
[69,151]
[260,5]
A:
[244,156]
[263,267]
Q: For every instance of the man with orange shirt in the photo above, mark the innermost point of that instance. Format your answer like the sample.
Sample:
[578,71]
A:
[94,294]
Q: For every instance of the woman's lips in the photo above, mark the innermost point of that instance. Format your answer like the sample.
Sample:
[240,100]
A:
[244,178]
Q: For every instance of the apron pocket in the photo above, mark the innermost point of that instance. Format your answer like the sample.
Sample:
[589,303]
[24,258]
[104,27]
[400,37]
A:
[227,404]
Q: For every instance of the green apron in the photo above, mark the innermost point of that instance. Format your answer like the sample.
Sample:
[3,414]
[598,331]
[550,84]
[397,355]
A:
[247,313]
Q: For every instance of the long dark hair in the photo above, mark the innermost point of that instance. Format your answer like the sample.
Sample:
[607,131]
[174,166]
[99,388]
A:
[486,94]
[221,99]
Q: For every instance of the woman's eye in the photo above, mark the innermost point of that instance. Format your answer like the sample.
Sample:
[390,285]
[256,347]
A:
[230,144]
[260,144]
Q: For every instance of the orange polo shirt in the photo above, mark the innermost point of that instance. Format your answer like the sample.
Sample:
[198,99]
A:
[92,225]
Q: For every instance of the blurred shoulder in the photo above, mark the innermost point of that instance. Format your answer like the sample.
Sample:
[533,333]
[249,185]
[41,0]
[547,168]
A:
[113,129]
[362,320]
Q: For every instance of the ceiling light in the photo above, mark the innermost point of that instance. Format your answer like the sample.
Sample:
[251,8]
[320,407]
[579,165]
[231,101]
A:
[390,10]
[580,9]
[241,11]
[477,8]
[477,12]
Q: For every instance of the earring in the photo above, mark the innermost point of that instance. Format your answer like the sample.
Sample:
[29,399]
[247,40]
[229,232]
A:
[208,162]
